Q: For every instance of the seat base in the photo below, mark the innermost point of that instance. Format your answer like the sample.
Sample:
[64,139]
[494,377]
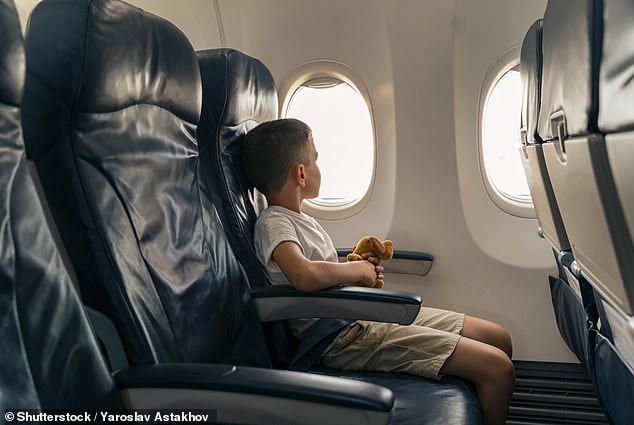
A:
[421,401]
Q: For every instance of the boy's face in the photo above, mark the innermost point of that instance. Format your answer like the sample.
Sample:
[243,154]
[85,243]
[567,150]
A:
[313,173]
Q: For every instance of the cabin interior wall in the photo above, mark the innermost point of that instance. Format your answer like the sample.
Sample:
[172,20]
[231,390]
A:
[24,8]
[423,62]
[285,34]
[510,258]
[437,55]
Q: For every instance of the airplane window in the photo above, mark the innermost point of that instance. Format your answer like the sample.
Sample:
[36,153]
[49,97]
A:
[342,129]
[500,138]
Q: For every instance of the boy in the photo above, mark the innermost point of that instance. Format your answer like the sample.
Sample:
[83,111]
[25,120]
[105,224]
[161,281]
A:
[279,158]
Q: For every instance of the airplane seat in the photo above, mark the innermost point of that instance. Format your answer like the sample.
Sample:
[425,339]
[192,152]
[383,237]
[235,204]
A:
[614,381]
[583,79]
[238,93]
[110,114]
[616,122]
[111,104]
[48,355]
[571,298]
[532,155]
[575,149]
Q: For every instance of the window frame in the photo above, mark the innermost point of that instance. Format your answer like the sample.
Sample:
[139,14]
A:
[504,63]
[330,69]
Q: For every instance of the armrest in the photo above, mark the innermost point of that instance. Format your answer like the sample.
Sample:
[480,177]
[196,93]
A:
[402,262]
[248,395]
[281,302]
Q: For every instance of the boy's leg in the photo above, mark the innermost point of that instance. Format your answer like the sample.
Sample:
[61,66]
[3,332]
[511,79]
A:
[430,352]
[387,347]
[488,332]
[491,371]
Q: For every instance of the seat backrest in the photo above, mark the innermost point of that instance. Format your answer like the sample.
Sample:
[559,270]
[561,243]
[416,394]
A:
[571,54]
[585,97]
[616,121]
[238,94]
[112,100]
[574,150]
[532,154]
[49,358]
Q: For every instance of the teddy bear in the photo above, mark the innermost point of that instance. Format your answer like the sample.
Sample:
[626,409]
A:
[382,249]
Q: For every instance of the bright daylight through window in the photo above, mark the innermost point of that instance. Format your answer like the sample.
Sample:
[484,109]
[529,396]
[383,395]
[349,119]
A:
[500,138]
[342,130]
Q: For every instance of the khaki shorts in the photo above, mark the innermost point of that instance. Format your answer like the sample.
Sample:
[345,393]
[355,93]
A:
[420,348]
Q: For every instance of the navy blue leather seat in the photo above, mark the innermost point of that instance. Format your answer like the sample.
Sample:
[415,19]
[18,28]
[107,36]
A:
[112,99]
[49,358]
[113,122]
[228,118]
[238,93]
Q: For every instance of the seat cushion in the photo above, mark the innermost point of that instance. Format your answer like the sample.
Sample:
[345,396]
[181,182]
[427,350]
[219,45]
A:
[421,401]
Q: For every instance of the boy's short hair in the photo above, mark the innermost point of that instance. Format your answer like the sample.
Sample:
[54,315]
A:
[270,150]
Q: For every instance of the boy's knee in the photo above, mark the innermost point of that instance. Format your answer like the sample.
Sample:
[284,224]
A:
[502,368]
[503,340]
[497,368]
[506,344]
[489,332]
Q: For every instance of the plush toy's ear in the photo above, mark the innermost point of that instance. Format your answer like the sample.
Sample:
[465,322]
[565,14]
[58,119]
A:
[382,249]
[377,246]
[389,250]
[364,245]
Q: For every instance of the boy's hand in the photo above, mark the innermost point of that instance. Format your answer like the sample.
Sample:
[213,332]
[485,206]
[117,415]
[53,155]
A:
[371,273]
[371,257]
[378,268]
[376,272]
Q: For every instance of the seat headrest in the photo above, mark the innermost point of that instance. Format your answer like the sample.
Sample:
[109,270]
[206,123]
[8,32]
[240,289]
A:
[102,69]
[531,77]
[239,90]
[571,45]
[616,83]
[12,62]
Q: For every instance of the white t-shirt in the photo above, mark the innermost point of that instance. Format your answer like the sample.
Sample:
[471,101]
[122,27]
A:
[277,224]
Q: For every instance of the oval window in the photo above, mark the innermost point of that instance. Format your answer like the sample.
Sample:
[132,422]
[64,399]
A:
[343,133]
[500,148]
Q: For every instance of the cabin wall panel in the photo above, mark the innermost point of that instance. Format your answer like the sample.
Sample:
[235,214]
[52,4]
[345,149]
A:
[284,34]
[196,18]
[24,8]
[480,37]
[432,214]
[512,262]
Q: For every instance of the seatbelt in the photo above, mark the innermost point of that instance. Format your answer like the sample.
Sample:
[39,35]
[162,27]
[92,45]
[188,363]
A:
[318,338]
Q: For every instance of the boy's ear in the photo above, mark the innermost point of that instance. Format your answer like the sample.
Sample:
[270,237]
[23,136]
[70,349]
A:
[299,174]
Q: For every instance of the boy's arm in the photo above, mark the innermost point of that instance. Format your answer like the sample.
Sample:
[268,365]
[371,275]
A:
[307,275]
